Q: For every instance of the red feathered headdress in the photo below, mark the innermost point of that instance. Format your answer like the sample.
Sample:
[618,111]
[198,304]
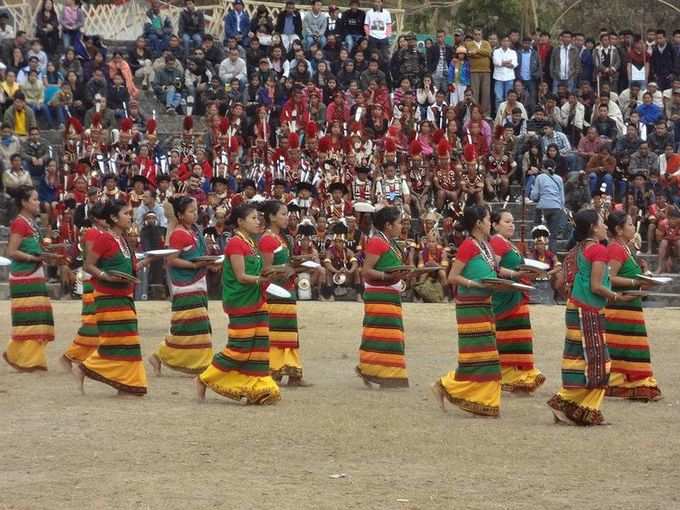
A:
[470,153]
[390,146]
[97,119]
[188,123]
[437,136]
[393,131]
[325,144]
[126,124]
[233,144]
[443,148]
[311,130]
[293,141]
[151,127]
[499,133]
[415,149]
[75,124]
[224,126]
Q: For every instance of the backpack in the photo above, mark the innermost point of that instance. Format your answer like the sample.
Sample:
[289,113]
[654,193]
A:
[570,267]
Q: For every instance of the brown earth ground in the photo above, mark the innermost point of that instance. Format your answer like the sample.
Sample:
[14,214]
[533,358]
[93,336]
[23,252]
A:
[335,445]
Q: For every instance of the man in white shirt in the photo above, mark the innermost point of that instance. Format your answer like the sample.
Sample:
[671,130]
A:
[504,64]
[233,67]
[378,28]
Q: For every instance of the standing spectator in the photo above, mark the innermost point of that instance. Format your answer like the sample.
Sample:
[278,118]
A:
[438,58]
[662,61]
[411,61]
[47,25]
[18,118]
[676,54]
[458,76]
[548,193]
[585,55]
[544,49]
[157,29]
[607,60]
[528,69]
[34,91]
[237,24]
[191,27]
[637,66]
[378,28]
[565,64]
[479,55]
[72,21]
[35,154]
[289,25]
[352,23]
[504,64]
[314,26]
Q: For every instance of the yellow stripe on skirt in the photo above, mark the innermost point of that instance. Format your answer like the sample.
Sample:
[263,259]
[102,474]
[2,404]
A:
[118,359]
[284,345]
[87,338]
[32,322]
[241,370]
[188,347]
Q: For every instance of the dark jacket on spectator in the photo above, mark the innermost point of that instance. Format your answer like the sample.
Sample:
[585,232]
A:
[662,65]
[433,58]
[191,23]
[352,23]
[297,22]
[10,117]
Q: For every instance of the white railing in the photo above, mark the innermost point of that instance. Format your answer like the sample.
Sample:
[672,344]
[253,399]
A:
[125,22]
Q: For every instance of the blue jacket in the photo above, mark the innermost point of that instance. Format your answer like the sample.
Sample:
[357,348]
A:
[230,25]
[587,66]
[650,114]
[464,73]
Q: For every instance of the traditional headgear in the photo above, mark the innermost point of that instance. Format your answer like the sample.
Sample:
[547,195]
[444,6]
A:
[438,136]
[188,123]
[324,145]
[311,130]
[97,120]
[443,148]
[74,125]
[540,232]
[339,230]
[151,127]
[234,145]
[303,186]
[126,124]
[415,149]
[293,141]
[338,186]
[306,228]
[470,153]
[224,126]
[390,146]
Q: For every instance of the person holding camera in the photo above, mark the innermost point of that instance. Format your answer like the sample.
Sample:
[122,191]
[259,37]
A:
[169,84]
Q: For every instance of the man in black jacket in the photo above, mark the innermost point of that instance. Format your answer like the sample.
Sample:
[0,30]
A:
[662,61]
[353,24]
[289,24]
[438,57]
[191,27]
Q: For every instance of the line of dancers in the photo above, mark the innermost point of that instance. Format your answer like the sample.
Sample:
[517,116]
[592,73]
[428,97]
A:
[606,347]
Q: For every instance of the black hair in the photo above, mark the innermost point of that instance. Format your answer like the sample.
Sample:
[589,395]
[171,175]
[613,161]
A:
[98,211]
[180,204]
[384,216]
[270,208]
[473,214]
[496,215]
[240,212]
[22,193]
[616,219]
[112,208]
[585,221]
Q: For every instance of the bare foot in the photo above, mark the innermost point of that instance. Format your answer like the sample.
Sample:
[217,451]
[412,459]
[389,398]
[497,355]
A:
[439,393]
[78,373]
[155,363]
[200,389]
[66,363]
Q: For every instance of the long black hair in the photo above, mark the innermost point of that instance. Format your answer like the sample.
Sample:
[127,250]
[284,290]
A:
[240,212]
[616,219]
[472,214]
[270,208]
[111,210]
[384,216]
[585,220]
[21,194]
[180,204]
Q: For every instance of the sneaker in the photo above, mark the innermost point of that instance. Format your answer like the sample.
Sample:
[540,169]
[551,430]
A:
[169,110]
[528,201]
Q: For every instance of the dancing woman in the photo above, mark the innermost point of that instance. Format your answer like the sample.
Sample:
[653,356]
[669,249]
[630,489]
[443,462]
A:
[514,337]
[241,370]
[585,362]
[87,337]
[118,358]
[381,354]
[188,347]
[32,319]
[631,374]
[475,386]
[284,340]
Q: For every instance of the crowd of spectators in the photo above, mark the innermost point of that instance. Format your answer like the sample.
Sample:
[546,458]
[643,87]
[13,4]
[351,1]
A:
[332,113]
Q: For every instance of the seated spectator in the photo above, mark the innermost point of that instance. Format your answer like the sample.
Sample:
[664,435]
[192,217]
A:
[139,60]
[289,25]
[34,154]
[118,97]
[47,25]
[97,85]
[643,160]
[660,137]
[14,174]
[60,102]
[211,51]
[600,169]
[70,62]
[18,118]
[233,67]
[33,65]
[97,62]
[191,27]
[108,118]
[237,24]
[8,88]
[34,91]
[17,61]
[6,30]
[352,25]
[605,125]
[119,66]
[314,26]
[72,21]
[650,113]
[157,29]
[37,51]
[169,84]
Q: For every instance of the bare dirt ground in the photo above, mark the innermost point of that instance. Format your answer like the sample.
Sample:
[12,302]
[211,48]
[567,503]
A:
[335,445]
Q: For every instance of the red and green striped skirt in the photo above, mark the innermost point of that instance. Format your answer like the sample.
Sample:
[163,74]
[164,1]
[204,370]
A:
[629,351]
[478,359]
[87,337]
[381,354]
[32,322]
[241,370]
[284,340]
[118,359]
